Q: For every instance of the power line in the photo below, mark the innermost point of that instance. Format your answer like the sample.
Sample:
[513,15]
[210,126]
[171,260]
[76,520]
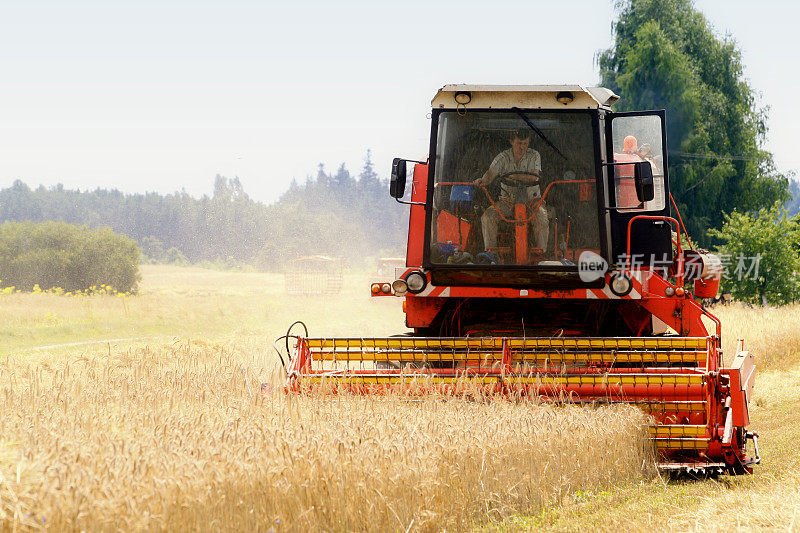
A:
[709,156]
[712,156]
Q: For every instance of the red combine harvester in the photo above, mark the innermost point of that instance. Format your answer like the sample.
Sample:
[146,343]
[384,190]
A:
[544,261]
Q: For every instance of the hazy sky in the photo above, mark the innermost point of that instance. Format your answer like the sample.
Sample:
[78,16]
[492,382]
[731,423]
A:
[162,95]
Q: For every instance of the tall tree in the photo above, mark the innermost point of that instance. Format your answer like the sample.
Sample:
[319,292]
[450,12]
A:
[342,178]
[323,178]
[667,56]
[18,203]
[793,205]
[368,174]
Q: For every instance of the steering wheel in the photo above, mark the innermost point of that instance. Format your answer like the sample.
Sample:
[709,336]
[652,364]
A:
[505,178]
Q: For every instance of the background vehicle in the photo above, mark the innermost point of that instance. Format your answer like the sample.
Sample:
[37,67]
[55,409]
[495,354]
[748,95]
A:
[314,274]
[385,266]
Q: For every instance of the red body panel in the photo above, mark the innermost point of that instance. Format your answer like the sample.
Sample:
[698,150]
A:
[421,312]
[416,220]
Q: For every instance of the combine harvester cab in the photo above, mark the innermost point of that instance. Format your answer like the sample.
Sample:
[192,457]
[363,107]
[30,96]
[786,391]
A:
[544,262]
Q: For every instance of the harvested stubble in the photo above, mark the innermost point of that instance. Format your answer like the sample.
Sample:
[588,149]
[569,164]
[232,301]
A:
[177,437]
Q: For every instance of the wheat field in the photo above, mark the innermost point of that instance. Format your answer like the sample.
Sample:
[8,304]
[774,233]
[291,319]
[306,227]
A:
[146,413]
[175,434]
[178,437]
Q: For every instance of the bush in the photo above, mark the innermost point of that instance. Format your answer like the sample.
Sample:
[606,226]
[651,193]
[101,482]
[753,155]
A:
[75,258]
[767,240]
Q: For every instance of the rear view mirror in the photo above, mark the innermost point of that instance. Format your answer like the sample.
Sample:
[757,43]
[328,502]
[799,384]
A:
[397,185]
[643,179]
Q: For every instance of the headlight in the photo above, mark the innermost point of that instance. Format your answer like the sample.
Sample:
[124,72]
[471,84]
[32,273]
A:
[416,282]
[399,286]
[620,284]
[386,288]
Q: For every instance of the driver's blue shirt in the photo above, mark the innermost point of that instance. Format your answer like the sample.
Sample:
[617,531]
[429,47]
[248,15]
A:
[504,162]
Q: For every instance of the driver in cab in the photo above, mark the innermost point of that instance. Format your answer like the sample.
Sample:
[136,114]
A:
[515,188]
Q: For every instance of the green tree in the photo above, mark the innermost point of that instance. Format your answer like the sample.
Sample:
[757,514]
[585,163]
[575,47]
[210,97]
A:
[763,256]
[667,56]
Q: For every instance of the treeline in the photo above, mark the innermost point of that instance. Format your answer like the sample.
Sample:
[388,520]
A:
[332,213]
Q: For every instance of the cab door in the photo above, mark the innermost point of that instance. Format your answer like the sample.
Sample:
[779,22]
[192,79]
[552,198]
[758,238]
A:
[634,137]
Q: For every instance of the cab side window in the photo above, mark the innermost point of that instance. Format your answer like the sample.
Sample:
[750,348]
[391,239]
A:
[636,139]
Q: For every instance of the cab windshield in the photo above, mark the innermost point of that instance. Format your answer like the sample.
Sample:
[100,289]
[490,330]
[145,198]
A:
[514,188]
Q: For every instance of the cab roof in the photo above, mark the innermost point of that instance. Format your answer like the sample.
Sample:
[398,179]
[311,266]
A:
[524,97]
